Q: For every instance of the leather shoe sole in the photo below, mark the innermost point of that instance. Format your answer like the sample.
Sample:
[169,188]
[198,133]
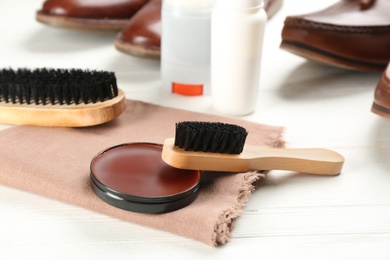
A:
[137,50]
[81,23]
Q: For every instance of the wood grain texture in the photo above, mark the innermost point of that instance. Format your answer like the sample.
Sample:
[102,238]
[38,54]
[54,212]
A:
[306,160]
[73,115]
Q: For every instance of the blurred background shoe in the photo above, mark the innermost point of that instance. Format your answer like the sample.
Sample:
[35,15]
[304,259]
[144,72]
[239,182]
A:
[89,14]
[352,34]
[381,105]
[142,34]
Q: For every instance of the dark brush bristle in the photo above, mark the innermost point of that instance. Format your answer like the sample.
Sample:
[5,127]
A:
[56,86]
[210,137]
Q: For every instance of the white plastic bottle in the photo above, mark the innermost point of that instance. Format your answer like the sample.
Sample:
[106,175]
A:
[236,50]
[185,46]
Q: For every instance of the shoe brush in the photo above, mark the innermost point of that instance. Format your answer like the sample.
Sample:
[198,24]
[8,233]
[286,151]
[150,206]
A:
[59,97]
[221,147]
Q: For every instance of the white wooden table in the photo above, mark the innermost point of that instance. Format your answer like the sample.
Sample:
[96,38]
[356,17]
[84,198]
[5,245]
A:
[290,216]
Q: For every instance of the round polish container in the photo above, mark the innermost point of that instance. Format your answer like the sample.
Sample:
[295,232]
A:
[133,177]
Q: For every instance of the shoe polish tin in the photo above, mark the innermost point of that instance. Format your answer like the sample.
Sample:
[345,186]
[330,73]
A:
[133,177]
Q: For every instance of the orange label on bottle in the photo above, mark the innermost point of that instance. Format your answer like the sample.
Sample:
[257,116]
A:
[187,89]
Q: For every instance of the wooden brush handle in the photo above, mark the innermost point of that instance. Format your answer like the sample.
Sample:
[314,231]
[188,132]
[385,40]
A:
[73,115]
[311,160]
[306,160]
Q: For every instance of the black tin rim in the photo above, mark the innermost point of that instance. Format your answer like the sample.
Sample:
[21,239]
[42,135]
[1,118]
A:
[151,208]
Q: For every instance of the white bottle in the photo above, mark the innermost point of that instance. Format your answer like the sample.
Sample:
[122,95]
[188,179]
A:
[236,49]
[185,46]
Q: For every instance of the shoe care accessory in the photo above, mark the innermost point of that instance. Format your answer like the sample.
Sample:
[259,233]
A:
[133,177]
[185,46]
[236,47]
[54,162]
[59,97]
[141,36]
[220,147]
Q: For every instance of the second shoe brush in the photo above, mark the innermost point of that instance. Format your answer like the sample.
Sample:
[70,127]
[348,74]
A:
[59,97]
[221,147]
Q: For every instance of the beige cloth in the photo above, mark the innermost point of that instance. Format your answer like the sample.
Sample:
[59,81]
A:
[54,162]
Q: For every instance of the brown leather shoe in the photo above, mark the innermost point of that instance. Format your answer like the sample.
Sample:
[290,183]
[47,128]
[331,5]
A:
[381,105]
[89,14]
[142,34]
[353,34]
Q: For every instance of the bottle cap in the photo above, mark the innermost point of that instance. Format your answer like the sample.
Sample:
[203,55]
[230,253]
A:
[240,5]
[190,4]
